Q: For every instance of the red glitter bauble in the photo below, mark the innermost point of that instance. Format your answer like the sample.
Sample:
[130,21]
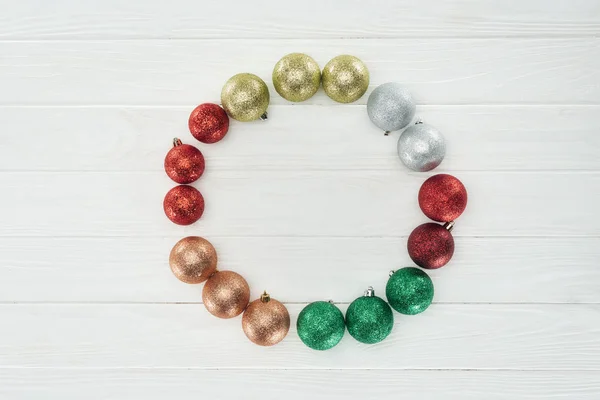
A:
[430,245]
[208,123]
[184,163]
[183,205]
[442,198]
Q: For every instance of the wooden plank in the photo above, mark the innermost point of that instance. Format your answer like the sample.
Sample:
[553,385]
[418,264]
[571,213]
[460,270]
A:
[437,71]
[181,384]
[522,337]
[295,203]
[136,139]
[128,269]
[66,19]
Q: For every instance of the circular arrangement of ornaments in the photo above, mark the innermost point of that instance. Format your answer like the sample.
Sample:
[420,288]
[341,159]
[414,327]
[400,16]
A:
[320,325]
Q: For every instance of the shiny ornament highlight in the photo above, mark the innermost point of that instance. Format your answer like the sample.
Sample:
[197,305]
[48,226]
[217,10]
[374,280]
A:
[226,294]
[183,205]
[421,147]
[266,321]
[296,77]
[391,107]
[245,97]
[369,318]
[442,198]
[193,259]
[431,245]
[345,79]
[208,123]
[184,163]
[409,291]
[321,325]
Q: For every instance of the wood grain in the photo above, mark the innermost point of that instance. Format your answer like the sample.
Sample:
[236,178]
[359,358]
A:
[300,269]
[163,72]
[295,203]
[453,336]
[114,19]
[182,384]
[311,205]
[479,138]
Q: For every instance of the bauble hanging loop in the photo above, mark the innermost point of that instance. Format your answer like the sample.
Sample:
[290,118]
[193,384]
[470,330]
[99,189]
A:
[245,97]
[369,318]
[345,79]
[296,77]
[391,107]
[421,147]
[409,291]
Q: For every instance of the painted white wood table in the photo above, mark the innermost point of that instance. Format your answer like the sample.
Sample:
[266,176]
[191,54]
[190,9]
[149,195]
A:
[312,204]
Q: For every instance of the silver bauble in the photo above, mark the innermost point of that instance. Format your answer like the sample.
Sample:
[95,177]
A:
[391,107]
[421,147]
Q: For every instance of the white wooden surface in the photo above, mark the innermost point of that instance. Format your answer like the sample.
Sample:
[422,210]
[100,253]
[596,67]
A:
[312,204]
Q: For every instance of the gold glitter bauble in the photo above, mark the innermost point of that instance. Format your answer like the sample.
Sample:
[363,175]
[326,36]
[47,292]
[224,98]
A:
[266,321]
[245,97]
[226,294]
[345,79]
[296,77]
[193,259]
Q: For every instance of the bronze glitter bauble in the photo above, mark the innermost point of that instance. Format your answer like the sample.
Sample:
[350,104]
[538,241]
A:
[208,123]
[193,259]
[184,163]
[266,321]
[296,77]
[183,205]
[345,79]
[226,294]
[245,97]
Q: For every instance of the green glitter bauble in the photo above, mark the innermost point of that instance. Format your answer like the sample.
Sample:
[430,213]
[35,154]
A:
[369,319]
[321,325]
[409,291]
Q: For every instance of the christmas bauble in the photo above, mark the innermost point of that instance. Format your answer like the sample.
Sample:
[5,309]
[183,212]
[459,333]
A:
[193,259]
[321,325]
[184,163]
[245,97]
[266,321]
[183,205]
[345,79]
[421,147]
[296,77]
[225,294]
[208,123]
[442,198]
[391,106]
[369,318]
[430,245]
[409,291]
